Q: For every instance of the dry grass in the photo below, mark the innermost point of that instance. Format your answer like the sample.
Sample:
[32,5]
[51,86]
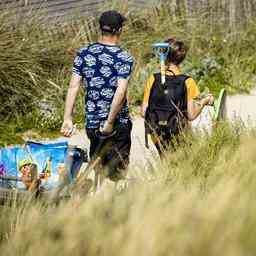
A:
[185,208]
[199,201]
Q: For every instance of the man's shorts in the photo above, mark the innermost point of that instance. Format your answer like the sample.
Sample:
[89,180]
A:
[115,157]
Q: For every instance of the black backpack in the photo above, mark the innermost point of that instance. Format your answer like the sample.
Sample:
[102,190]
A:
[167,106]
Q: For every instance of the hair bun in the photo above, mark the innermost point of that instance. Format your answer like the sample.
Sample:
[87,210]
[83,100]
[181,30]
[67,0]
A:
[170,40]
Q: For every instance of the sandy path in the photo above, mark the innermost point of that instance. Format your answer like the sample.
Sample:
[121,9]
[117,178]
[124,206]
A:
[242,107]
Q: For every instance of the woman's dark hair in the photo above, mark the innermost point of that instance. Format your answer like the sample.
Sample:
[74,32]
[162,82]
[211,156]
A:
[177,52]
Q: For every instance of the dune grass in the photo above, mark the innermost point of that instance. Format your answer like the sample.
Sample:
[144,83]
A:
[199,201]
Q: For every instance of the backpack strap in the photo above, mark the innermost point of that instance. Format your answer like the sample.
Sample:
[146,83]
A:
[182,78]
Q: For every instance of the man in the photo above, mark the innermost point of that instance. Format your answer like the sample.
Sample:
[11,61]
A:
[105,70]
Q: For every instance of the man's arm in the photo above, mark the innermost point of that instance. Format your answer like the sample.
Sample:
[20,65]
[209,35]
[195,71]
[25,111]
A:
[74,85]
[117,104]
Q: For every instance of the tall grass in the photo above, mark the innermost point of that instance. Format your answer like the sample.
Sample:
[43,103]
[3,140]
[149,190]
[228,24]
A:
[198,201]
[178,211]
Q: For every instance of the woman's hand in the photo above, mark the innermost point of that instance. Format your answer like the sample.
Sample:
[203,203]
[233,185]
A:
[209,100]
[196,107]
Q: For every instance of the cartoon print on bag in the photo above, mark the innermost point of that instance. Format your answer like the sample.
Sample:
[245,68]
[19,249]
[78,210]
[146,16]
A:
[106,59]
[2,170]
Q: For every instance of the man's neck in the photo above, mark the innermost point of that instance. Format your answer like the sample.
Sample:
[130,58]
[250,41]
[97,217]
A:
[109,40]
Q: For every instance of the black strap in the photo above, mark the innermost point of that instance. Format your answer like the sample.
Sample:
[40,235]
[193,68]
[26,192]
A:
[178,109]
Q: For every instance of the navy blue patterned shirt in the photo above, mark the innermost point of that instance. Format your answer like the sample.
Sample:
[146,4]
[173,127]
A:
[101,66]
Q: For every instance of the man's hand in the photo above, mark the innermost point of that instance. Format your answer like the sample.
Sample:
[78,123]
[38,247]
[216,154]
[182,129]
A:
[107,128]
[67,128]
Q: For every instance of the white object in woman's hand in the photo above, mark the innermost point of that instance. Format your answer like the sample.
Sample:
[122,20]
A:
[210,100]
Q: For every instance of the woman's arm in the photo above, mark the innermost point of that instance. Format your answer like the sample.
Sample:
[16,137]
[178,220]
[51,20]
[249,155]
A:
[196,107]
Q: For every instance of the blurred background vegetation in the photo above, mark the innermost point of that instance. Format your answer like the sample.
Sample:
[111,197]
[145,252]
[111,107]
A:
[36,57]
[198,201]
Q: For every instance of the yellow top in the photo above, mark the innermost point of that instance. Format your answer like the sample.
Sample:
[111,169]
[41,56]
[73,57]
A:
[192,88]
